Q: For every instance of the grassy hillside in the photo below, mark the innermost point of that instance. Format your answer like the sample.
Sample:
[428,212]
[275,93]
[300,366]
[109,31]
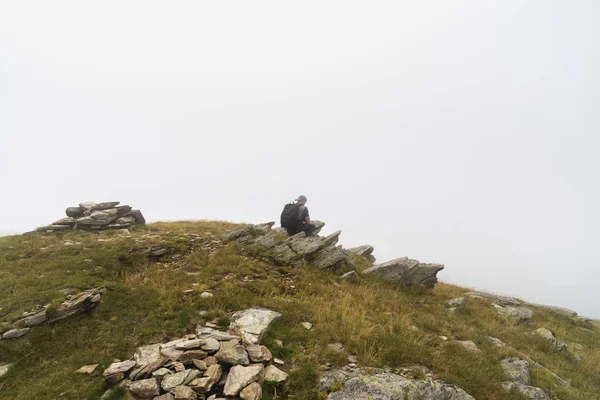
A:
[145,303]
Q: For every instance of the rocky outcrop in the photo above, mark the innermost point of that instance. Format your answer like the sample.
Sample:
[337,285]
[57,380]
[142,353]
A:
[365,251]
[507,307]
[383,385]
[517,371]
[261,241]
[406,271]
[209,364]
[494,298]
[74,304]
[96,216]
[519,315]
[556,343]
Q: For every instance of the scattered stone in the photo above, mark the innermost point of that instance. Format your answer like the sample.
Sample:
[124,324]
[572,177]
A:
[252,392]
[206,295]
[306,325]
[239,377]
[578,346]
[458,303]
[335,347]
[520,315]
[407,272]
[529,392]
[546,334]
[517,370]
[468,345]
[351,276]
[278,361]
[145,388]
[496,342]
[275,375]
[232,353]
[444,338]
[252,324]
[278,342]
[87,369]
[15,333]
[4,369]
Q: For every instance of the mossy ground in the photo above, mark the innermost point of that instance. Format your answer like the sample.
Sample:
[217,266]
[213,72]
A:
[146,303]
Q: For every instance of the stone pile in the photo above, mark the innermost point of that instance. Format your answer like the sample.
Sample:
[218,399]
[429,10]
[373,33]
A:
[274,245]
[75,304]
[96,216]
[209,364]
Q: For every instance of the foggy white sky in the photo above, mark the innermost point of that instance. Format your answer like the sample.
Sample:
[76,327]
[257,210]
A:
[463,132]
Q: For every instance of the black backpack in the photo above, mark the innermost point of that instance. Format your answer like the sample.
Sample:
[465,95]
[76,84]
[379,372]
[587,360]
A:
[289,216]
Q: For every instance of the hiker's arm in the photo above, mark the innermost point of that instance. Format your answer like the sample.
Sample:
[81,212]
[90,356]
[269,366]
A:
[307,219]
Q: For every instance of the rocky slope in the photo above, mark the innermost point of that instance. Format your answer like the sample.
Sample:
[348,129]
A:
[214,310]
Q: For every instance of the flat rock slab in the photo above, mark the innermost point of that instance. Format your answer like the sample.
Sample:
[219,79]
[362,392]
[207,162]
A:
[15,333]
[145,388]
[387,386]
[407,272]
[253,324]
[494,298]
[239,377]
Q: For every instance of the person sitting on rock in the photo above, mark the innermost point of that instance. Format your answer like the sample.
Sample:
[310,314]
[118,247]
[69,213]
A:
[295,217]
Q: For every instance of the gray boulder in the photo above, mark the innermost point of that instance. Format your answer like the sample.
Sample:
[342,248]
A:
[74,212]
[407,272]
[365,251]
[516,369]
[557,310]
[388,386]
[520,315]
[253,324]
[36,319]
[138,217]
[15,333]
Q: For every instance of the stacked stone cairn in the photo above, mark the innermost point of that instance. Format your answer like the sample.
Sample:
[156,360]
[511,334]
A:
[209,364]
[97,216]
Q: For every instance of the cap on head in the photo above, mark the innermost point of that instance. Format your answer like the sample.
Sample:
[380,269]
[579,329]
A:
[301,198]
